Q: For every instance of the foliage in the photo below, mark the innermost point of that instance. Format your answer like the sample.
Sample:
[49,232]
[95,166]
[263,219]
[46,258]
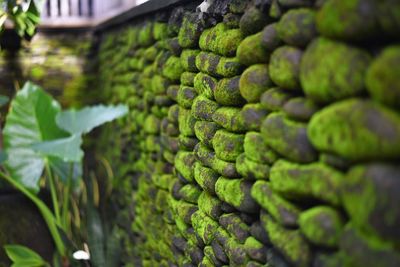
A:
[24,257]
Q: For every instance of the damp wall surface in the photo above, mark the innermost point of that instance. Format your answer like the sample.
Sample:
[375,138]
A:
[261,133]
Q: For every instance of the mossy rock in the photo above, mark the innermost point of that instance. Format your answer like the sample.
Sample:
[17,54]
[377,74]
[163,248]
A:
[186,96]
[300,108]
[371,196]
[294,3]
[322,226]
[336,259]
[270,39]
[161,200]
[205,154]
[252,21]
[225,168]
[251,170]
[275,10]
[187,78]
[250,50]
[284,212]
[229,118]
[332,70]
[252,115]
[187,143]
[227,92]
[188,59]
[173,114]
[150,53]
[172,45]
[284,67]
[275,98]
[236,252]
[211,257]
[290,243]
[160,30]
[218,66]
[297,27]
[184,211]
[206,178]
[190,30]
[254,81]
[235,226]
[257,150]
[255,250]
[356,129]
[163,101]
[354,20]
[204,108]
[190,193]
[231,20]
[288,138]
[205,84]
[219,251]
[383,77]
[205,131]
[364,250]
[389,17]
[227,145]
[184,162]
[258,232]
[151,125]
[145,36]
[237,193]
[186,122]
[210,205]
[315,181]
[173,68]
[204,226]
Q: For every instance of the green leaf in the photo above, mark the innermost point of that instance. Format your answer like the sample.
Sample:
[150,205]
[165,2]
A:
[84,120]
[68,149]
[23,256]
[31,120]
[62,170]
[3,99]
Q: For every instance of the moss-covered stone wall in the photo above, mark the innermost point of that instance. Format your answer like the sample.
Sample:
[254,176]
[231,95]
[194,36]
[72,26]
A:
[262,133]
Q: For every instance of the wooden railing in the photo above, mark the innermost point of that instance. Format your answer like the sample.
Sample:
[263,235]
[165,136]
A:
[82,13]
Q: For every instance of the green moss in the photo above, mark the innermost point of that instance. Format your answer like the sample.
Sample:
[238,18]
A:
[161,200]
[235,226]
[184,212]
[205,154]
[382,78]
[269,37]
[206,178]
[184,164]
[186,122]
[187,143]
[162,181]
[172,91]
[150,53]
[145,36]
[205,131]
[284,212]
[152,124]
[322,225]
[204,108]
[173,68]
[190,30]
[227,145]
[389,17]
[300,108]
[159,84]
[304,182]
[274,98]
[224,168]
[332,70]
[237,6]
[217,66]
[210,205]
[187,78]
[231,20]
[284,67]
[190,193]
[252,21]
[371,198]
[206,262]
[257,150]
[288,138]
[160,30]
[205,84]
[255,249]
[228,67]
[297,27]
[353,20]
[356,129]
[251,170]
[210,255]
[290,243]
[227,92]
[229,118]
[37,72]
[186,96]
[250,50]
[252,115]
[188,59]
[254,81]
[237,193]
[173,113]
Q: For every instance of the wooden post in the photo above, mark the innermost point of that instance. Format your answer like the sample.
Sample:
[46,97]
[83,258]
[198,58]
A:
[53,8]
[74,8]
[64,8]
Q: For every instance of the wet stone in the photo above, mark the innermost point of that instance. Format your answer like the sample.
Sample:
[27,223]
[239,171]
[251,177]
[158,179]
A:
[237,193]
[251,170]
[300,108]
[371,195]
[210,205]
[254,81]
[252,115]
[205,131]
[229,118]
[382,80]
[205,84]
[235,226]
[257,150]
[284,212]
[206,178]
[250,50]
[356,129]
[275,98]
[288,138]
[322,225]
[227,145]
[270,39]
[186,96]
[302,182]
[252,21]
[284,67]
[187,143]
[227,92]
[297,27]
[332,70]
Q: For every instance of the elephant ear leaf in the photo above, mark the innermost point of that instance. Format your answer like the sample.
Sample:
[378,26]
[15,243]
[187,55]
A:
[24,257]
[30,120]
[84,120]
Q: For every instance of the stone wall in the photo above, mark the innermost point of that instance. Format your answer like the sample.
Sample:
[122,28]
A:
[262,133]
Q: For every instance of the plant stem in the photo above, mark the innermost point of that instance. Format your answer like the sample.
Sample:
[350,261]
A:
[66,198]
[53,191]
[44,210]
